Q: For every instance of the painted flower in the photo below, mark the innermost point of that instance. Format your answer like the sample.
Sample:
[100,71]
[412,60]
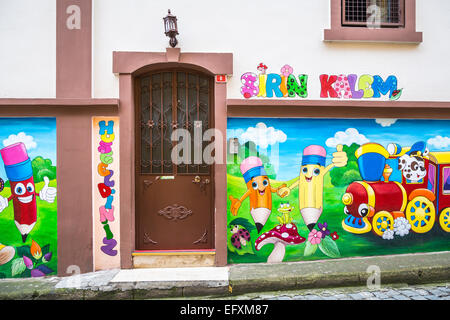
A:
[324,229]
[28,262]
[35,273]
[35,250]
[286,70]
[47,257]
[315,236]
[334,236]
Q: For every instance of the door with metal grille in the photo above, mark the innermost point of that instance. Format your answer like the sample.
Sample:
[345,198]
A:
[174,206]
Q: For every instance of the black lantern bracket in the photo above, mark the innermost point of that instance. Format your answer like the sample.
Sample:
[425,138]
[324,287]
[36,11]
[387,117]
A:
[171,28]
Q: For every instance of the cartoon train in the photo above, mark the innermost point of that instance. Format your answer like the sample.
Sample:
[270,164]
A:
[423,196]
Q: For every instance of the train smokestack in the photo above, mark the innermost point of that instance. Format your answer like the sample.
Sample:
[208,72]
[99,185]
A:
[387,172]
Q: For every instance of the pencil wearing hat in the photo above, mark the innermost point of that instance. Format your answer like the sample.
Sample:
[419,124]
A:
[19,171]
[310,181]
[259,191]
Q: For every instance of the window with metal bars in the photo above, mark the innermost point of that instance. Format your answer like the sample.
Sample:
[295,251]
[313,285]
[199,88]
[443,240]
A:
[373,13]
[167,101]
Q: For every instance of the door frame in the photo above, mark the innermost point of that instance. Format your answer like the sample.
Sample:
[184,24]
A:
[128,65]
[211,120]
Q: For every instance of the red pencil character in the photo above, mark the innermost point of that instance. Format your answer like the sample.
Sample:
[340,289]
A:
[23,191]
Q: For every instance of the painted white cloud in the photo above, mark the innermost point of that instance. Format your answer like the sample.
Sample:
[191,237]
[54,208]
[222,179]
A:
[263,136]
[439,142]
[385,122]
[347,137]
[21,137]
[234,133]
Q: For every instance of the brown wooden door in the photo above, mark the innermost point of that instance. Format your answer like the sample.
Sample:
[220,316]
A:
[174,202]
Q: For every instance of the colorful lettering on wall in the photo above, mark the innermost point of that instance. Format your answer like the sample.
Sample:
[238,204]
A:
[336,188]
[350,87]
[28,209]
[106,184]
[269,85]
[286,84]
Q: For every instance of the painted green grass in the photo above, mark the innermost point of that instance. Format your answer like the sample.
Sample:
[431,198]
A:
[350,245]
[43,233]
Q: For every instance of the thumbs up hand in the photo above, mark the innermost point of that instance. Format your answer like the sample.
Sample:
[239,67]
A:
[47,193]
[339,157]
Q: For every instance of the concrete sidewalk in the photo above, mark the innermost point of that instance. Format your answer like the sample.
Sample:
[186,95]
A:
[232,280]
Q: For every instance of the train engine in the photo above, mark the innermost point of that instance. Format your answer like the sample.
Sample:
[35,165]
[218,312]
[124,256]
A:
[371,204]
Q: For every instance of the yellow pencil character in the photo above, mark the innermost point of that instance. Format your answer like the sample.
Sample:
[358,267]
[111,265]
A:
[310,181]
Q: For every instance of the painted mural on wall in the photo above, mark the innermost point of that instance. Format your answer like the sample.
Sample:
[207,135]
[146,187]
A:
[305,189]
[28,207]
[342,86]
[106,219]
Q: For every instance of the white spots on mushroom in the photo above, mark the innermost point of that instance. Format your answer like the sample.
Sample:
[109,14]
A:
[280,236]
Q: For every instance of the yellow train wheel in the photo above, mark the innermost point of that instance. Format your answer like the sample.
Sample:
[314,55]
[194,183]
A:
[444,219]
[381,222]
[421,214]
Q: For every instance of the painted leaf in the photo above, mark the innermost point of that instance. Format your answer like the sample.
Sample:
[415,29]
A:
[45,249]
[44,269]
[329,248]
[248,248]
[396,95]
[242,222]
[310,249]
[23,251]
[18,266]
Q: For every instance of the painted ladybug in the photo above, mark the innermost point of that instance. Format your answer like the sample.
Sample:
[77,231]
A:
[243,233]
[240,237]
[236,241]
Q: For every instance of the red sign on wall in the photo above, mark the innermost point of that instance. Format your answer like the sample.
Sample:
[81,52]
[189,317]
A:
[221,78]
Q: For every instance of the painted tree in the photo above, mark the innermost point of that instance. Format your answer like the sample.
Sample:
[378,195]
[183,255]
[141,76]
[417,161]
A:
[41,168]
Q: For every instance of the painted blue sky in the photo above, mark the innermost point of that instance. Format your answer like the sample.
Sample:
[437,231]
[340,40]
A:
[299,133]
[40,134]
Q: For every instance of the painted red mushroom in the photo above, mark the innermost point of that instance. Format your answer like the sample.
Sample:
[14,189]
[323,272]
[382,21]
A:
[262,67]
[281,236]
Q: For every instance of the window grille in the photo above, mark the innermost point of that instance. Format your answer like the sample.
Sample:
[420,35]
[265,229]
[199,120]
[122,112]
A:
[373,13]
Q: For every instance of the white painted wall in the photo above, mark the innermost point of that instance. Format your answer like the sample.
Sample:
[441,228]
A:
[27,48]
[273,32]
[276,33]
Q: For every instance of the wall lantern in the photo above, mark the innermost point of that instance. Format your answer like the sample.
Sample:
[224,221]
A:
[171,29]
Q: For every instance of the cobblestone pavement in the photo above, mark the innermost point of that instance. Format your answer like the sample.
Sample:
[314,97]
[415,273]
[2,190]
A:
[388,292]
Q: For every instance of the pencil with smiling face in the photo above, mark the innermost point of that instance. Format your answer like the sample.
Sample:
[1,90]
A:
[311,179]
[259,191]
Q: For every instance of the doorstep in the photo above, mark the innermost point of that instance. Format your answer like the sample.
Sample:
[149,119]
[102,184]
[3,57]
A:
[173,258]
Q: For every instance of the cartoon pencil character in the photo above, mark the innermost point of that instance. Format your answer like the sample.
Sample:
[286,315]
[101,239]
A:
[259,191]
[23,192]
[310,181]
